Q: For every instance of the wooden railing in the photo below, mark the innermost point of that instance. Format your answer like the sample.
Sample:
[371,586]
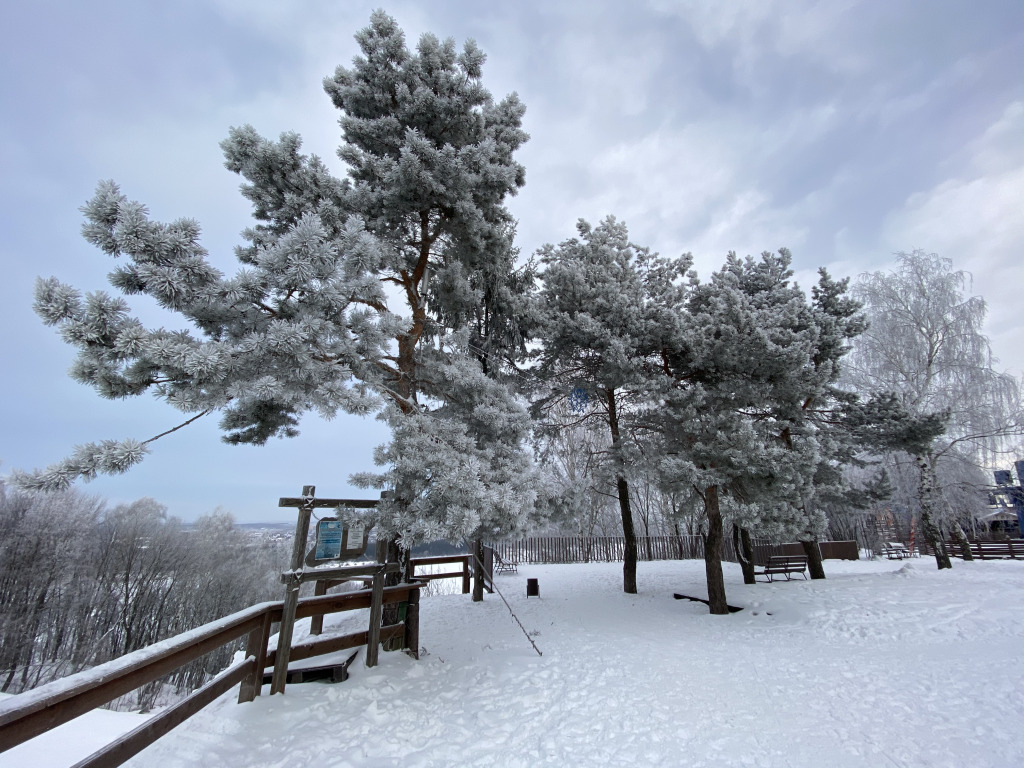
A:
[461,560]
[29,714]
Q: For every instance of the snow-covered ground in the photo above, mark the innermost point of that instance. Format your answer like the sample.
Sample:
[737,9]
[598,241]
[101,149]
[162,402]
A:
[883,664]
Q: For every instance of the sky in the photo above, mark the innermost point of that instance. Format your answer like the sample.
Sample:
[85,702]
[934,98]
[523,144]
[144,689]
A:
[845,131]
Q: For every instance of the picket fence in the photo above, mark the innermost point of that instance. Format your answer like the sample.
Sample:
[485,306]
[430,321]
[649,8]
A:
[610,549]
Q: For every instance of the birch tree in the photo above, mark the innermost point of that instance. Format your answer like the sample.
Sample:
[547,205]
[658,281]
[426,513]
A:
[925,344]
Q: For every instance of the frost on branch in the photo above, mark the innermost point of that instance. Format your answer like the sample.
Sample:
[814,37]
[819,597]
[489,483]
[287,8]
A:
[284,336]
[109,457]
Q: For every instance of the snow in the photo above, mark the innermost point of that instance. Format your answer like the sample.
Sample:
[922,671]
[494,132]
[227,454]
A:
[887,663]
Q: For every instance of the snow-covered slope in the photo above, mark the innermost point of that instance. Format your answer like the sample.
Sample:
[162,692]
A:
[884,663]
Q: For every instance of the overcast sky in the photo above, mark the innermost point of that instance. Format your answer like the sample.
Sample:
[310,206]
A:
[846,131]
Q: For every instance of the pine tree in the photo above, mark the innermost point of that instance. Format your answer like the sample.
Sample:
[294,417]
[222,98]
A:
[310,322]
[749,375]
[607,307]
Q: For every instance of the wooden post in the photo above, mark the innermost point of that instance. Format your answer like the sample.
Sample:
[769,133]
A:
[412,624]
[376,606]
[465,575]
[291,598]
[316,623]
[478,570]
[256,646]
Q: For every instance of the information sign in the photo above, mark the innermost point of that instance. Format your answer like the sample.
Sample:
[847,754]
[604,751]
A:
[355,535]
[328,539]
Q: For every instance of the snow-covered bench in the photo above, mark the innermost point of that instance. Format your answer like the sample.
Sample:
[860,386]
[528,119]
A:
[779,565]
[895,550]
[504,566]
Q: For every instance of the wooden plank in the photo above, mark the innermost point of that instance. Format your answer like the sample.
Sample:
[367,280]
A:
[29,714]
[328,503]
[291,597]
[256,646]
[336,643]
[350,601]
[133,742]
[376,609]
[439,560]
[412,624]
[316,622]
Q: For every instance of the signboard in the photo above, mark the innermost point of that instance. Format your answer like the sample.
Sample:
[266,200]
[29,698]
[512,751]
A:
[356,532]
[328,539]
[337,540]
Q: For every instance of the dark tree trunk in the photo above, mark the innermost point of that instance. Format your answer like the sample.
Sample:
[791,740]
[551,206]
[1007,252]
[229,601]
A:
[744,553]
[961,539]
[713,553]
[628,532]
[930,529]
[814,563]
[393,553]
[478,570]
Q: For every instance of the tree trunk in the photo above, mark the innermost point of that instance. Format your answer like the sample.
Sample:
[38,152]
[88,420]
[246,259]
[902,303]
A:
[713,553]
[961,539]
[478,570]
[628,532]
[744,553]
[393,553]
[814,564]
[931,530]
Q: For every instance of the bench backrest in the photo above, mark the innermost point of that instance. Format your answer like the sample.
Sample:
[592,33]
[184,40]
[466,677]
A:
[786,562]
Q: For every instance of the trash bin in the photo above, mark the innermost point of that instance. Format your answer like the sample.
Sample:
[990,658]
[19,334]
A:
[532,588]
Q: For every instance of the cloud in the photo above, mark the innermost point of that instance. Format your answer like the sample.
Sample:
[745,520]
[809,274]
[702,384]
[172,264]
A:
[975,217]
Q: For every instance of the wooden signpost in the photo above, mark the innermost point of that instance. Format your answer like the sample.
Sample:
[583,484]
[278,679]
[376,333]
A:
[336,541]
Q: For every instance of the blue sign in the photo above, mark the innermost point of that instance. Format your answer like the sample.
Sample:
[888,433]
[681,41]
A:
[328,539]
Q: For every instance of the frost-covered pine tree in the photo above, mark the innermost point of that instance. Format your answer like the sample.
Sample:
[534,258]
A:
[750,372]
[607,307]
[311,322]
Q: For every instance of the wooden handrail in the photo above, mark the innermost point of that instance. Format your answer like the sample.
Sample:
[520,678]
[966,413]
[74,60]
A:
[136,740]
[29,714]
[33,712]
[410,573]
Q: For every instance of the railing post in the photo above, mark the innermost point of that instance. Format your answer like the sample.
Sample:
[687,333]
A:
[291,597]
[412,623]
[256,646]
[376,611]
[316,623]
[465,575]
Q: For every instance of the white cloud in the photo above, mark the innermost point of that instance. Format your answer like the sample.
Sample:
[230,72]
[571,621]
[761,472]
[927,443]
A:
[976,218]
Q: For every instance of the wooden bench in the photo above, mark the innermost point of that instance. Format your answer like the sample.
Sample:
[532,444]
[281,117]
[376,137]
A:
[504,566]
[895,550]
[990,550]
[784,565]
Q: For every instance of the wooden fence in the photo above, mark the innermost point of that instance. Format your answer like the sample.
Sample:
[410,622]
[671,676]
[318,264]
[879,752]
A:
[29,714]
[603,549]
[611,549]
[1012,549]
